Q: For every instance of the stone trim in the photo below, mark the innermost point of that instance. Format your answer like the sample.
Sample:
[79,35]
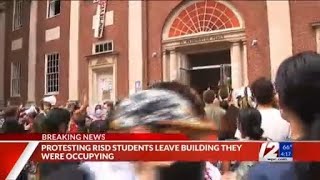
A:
[212,37]
[95,66]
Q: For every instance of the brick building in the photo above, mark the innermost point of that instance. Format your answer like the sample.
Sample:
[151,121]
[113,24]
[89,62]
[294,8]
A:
[62,47]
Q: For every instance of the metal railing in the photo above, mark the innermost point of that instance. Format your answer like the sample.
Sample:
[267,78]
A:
[206,67]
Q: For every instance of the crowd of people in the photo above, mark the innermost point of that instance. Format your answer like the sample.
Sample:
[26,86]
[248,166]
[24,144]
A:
[283,110]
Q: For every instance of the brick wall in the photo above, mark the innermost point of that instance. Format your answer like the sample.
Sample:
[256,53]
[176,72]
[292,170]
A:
[60,45]
[303,13]
[20,55]
[254,14]
[118,32]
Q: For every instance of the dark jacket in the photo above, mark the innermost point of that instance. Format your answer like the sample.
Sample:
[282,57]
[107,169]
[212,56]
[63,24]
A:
[47,169]
[183,171]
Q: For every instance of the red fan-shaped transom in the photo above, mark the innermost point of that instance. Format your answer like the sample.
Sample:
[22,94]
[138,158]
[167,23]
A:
[203,17]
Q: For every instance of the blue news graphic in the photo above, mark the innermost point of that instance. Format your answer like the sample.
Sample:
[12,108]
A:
[286,149]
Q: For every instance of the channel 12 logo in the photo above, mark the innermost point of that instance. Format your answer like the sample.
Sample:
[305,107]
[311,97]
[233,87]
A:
[276,152]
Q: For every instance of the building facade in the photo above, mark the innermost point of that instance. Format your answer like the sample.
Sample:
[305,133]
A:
[114,48]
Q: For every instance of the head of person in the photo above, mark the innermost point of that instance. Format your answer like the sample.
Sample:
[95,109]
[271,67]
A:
[81,121]
[56,121]
[98,112]
[97,107]
[71,172]
[108,106]
[249,123]
[229,123]
[12,126]
[224,104]
[49,102]
[11,112]
[11,123]
[298,87]
[263,91]
[186,92]
[73,106]
[38,123]
[99,126]
[209,96]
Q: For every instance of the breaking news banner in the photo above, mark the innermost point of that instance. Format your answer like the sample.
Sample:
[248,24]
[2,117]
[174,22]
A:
[17,150]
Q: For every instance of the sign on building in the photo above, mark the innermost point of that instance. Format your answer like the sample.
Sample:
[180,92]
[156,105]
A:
[101,12]
[202,39]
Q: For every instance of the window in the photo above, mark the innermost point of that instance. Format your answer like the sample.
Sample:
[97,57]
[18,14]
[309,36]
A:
[103,47]
[53,8]
[52,73]
[316,27]
[15,79]
[17,14]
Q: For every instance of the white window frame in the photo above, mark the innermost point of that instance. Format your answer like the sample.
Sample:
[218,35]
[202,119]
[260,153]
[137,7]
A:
[318,38]
[99,43]
[316,27]
[17,14]
[46,73]
[15,77]
[48,9]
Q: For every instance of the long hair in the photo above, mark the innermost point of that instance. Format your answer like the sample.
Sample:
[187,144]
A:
[298,86]
[250,123]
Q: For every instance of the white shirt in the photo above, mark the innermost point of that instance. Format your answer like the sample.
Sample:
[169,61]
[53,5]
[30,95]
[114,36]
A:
[110,170]
[274,127]
[212,172]
[126,171]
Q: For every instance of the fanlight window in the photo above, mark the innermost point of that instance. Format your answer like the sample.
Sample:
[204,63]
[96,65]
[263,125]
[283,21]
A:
[203,17]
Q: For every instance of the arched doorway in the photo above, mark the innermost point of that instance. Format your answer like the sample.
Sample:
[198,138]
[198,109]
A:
[201,40]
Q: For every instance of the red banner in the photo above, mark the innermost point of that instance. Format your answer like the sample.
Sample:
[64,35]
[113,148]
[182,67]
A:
[147,151]
[16,154]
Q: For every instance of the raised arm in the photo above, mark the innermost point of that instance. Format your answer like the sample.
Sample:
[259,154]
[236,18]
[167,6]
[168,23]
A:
[85,103]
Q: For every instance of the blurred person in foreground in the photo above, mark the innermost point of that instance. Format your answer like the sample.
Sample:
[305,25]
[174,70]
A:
[70,173]
[100,126]
[275,128]
[158,111]
[199,108]
[56,121]
[298,86]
